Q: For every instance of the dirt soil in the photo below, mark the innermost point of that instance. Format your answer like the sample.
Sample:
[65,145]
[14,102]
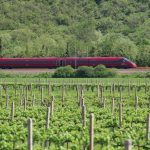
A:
[27,70]
[43,70]
[136,70]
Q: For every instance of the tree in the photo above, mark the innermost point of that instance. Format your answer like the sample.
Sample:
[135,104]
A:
[143,56]
[5,44]
[117,45]
[1,47]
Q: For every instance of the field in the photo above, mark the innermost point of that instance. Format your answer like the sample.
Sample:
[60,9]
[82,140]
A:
[74,114]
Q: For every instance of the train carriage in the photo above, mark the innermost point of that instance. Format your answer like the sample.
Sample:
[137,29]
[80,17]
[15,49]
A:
[53,62]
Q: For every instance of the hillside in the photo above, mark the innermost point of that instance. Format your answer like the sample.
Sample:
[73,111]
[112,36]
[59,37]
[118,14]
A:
[42,28]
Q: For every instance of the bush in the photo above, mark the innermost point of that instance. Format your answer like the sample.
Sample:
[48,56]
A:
[85,71]
[101,71]
[106,73]
[64,72]
[141,75]
[147,75]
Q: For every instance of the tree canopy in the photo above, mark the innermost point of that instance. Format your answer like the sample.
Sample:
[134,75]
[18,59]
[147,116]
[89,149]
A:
[45,28]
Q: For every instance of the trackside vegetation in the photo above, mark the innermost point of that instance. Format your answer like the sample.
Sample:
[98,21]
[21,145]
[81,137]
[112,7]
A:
[84,72]
[46,28]
[59,73]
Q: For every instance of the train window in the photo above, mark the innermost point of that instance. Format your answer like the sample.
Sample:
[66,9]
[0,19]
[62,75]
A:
[69,62]
[82,61]
[61,62]
[125,59]
[57,63]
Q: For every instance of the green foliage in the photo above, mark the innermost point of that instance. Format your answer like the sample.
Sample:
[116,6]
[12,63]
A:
[141,75]
[117,45]
[85,71]
[64,72]
[100,68]
[47,28]
[66,129]
[103,72]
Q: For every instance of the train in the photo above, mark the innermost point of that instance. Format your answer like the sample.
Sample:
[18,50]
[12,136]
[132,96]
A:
[54,62]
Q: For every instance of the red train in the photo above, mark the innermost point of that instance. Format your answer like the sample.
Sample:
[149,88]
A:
[53,62]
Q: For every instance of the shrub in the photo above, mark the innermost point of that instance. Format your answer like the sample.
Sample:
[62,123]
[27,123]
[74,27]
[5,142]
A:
[141,75]
[64,72]
[42,75]
[101,71]
[98,69]
[84,71]
[147,75]
[107,73]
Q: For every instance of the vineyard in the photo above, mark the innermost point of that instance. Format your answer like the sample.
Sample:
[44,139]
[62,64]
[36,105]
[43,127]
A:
[74,114]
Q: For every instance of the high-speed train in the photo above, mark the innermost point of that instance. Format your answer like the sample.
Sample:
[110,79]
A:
[53,62]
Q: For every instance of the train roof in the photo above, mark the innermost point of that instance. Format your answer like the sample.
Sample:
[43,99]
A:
[29,58]
[95,57]
[53,58]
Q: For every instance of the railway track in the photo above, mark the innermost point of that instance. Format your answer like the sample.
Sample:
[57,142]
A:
[43,70]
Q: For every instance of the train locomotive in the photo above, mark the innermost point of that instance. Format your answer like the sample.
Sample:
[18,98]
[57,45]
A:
[54,62]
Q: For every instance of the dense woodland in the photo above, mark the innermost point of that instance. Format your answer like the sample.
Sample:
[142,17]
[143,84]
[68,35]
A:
[43,28]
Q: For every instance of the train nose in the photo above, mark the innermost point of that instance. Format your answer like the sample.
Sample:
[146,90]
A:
[134,65]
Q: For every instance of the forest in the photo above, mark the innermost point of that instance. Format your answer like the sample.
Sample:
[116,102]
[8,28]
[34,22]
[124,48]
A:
[60,28]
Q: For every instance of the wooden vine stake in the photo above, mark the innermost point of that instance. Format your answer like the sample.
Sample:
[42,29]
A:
[113,106]
[48,117]
[7,97]
[21,95]
[77,90]
[31,89]
[1,95]
[47,124]
[101,90]
[25,103]
[120,114]
[15,91]
[129,88]
[135,92]
[12,111]
[52,106]
[91,131]
[104,102]
[81,101]
[26,93]
[120,94]
[113,89]
[148,101]
[30,134]
[41,95]
[148,128]
[82,90]
[128,145]
[145,87]
[63,96]
[83,116]
[98,91]
[33,99]
[136,102]
[49,89]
